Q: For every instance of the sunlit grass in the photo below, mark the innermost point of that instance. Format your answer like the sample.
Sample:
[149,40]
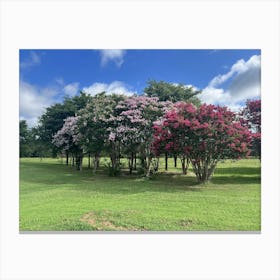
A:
[56,197]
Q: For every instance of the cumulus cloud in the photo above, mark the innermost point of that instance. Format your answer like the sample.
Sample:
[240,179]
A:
[32,60]
[192,87]
[116,56]
[244,83]
[116,87]
[33,101]
[71,89]
[187,86]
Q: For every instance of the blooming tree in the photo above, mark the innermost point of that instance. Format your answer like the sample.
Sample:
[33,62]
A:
[202,136]
[95,123]
[135,117]
[68,140]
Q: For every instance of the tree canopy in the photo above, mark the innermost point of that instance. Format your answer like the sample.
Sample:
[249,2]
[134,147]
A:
[168,120]
[203,136]
[53,119]
[172,92]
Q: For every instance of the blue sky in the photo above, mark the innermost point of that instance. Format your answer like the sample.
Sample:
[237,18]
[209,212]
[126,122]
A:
[225,77]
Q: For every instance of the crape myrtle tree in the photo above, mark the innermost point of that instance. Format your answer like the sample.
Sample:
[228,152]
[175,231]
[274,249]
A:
[94,124]
[251,117]
[133,129]
[166,141]
[67,140]
[204,135]
[174,93]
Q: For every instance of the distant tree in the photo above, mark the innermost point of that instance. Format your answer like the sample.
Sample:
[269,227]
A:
[30,142]
[172,92]
[24,139]
[38,147]
[251,116]
[53,119]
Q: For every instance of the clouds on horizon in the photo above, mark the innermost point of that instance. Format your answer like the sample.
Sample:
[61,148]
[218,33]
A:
[244,79]
[34,100]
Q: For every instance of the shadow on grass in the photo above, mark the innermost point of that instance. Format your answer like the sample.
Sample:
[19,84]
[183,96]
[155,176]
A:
[239,171]
[235,179]
[237,175]
[53,176]
[48,176]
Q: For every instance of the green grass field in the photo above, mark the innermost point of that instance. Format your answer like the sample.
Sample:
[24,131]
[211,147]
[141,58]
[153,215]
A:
[56,197]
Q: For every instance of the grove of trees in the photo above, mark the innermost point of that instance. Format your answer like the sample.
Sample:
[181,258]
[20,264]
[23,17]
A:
[167,120]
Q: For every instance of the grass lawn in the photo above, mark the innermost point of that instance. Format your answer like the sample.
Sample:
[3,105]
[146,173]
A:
[56,197]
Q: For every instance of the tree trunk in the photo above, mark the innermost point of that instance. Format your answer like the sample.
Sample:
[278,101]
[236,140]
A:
[67,158]
[166,161]
[175,161]
[81,162]
[88,160]
[144,162]
[96,161]
[156,166]
[135,162]
[148,173]
[204,170]
[77,162]
[115,158]
[130,162]
[184,165]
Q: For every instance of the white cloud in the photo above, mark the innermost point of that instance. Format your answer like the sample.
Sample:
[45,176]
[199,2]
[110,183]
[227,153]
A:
[71,89]
[244,78]
[116,87]
[212,95]
[187,86]
[112,55]
[32,60]
[192,86]
[33,101]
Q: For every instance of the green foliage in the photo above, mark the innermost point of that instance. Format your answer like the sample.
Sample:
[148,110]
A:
[52,120]
[30,142]
[172,92]
[24,138]
[94,121]
[114,171]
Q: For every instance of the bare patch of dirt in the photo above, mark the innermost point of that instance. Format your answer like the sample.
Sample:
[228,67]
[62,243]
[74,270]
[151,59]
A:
[89,218]
[101,222]
[186,223]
